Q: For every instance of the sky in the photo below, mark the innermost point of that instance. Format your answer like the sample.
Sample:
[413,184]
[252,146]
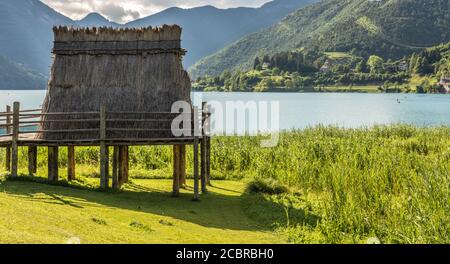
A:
[126,10]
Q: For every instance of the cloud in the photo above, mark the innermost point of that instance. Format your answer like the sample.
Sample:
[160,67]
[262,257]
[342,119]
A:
[126,10]
[118,13]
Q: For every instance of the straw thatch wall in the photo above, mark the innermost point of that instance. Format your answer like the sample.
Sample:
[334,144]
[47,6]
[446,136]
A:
[138,70]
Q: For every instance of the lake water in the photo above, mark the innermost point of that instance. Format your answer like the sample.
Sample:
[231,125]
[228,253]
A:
[300,110]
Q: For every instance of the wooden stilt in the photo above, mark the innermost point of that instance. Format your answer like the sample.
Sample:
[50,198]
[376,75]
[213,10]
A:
[70,163]
[8,149]
[203,164]
[115,169]
[176,170]
[183,166]
[208,160]
[123,165]
[15,138]
[32,160]
[196,191]
[53,163]
[104,157]
[126,164]
[8,159]
[104,166]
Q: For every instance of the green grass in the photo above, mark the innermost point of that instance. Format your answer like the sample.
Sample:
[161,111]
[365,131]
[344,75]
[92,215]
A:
[143,213]
[319,185]
[355,88]
[339,55]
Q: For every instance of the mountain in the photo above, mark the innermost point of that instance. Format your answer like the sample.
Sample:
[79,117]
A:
[26,32]
[95,20]
[27,38]
[14,76]
[208,29]
[389,28]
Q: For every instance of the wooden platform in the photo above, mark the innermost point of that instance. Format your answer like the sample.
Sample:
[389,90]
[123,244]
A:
[30,140]
[23,128]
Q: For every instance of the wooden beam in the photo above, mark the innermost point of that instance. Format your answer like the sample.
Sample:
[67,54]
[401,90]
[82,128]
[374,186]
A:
[123,169]
[8,159]
[203,154]
[53,156]
[126,164]
[8,149]
[32,160]
[203,170]
[208,160]
[196,130]
[182,166]
[176,170]
[196,191]
[115,169]
[71,163]
[15,139]
[104,157]
[104,166]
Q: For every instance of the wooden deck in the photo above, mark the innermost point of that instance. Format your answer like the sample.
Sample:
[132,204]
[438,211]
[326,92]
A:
[31,140]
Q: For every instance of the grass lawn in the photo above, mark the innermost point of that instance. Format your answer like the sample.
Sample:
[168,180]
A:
[338,55]
[355,88]
[143,213]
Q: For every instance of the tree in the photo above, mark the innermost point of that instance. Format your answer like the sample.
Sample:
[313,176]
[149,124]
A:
[257,63]
[361,67]
[375,64]
[275,71]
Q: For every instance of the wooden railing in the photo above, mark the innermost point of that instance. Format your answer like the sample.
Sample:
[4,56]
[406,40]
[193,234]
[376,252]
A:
[101,129]
[16,124]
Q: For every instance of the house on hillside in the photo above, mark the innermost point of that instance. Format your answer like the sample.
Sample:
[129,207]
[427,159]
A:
[326,67]
[265,66]
[402,65]
[445,82]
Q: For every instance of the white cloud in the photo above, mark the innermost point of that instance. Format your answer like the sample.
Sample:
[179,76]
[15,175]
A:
[125,10]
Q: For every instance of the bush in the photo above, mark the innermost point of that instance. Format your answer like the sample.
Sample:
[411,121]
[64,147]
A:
[266,186]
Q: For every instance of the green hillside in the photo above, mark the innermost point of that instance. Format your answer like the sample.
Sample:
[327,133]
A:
[303,70]
[388,28]
[14,76]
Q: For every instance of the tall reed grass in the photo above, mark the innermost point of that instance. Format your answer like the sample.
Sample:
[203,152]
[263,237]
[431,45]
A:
[390,182]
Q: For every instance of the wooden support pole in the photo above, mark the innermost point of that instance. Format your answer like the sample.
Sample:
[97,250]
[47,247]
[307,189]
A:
[123,165]
[53,156]
[126,164]
[183,166]
[8,149]
[104,157]
[203,166]
[104,166]
[208,160]
[115,172]
[176,170]
[32,160]
[207,135]
[196,189]
[70,163]
[15,139]
[8,159]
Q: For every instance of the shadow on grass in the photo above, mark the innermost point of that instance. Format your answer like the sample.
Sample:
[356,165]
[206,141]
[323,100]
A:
[216,210]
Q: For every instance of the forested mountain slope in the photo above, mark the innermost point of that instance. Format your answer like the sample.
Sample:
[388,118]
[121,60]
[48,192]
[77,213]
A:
[388,28]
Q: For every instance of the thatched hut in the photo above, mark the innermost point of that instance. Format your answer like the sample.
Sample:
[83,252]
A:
[127,70]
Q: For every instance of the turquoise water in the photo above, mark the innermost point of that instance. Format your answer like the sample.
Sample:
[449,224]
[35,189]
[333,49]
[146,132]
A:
[300,110]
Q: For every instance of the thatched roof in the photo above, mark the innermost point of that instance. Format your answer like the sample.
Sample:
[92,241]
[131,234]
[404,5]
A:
[138,70]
